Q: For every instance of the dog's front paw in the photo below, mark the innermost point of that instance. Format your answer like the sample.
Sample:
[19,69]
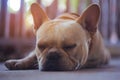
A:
[14,64]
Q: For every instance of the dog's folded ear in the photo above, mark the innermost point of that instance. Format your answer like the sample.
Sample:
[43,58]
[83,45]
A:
[39,15]
[89,18]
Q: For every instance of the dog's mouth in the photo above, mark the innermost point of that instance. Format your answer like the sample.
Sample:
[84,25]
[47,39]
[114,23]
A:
[50,65]
[55,61]
[58,65]
[54,65]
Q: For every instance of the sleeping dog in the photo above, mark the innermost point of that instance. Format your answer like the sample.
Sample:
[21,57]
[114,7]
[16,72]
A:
[68,42]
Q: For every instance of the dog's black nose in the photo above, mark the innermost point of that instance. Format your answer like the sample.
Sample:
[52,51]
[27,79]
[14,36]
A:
[53,56]
[53,61]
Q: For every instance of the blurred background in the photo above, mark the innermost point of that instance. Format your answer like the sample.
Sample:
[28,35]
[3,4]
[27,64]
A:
[16,24]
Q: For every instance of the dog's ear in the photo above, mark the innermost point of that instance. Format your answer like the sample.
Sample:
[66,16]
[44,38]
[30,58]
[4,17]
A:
[39,15]
[89,18]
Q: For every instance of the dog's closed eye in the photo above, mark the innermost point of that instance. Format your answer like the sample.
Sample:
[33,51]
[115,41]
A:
[69,47]
[41,47]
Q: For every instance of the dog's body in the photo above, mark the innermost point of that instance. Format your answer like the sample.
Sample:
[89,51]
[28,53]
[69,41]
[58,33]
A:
[69,42]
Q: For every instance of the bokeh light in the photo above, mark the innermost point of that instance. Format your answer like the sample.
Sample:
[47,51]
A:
[14,5]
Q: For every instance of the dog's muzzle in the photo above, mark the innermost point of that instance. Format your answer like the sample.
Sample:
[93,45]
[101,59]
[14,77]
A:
[53,62]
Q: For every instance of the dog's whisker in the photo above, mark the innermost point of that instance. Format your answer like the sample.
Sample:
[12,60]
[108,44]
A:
[78,66]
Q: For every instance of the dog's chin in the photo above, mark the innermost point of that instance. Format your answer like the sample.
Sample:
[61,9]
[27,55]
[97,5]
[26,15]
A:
[54,66]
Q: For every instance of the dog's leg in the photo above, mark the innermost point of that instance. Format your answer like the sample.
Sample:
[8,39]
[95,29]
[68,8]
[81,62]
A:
[29,62]
[98,61]
[105,58]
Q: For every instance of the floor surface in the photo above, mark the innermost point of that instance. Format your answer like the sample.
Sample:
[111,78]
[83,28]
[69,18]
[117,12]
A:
[110,72]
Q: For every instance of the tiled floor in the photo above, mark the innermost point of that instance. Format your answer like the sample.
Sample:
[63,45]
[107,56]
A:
[110,72]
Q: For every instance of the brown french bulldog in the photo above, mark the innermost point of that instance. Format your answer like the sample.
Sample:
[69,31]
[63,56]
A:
[69,42]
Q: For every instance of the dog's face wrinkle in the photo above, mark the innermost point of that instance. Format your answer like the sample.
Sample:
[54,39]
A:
[68,57]
[68,53]
[71,58]
[60,36]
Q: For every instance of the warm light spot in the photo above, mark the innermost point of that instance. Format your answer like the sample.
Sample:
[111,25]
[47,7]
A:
[47,3]
[28,16]
[62,5]
[29,22]
[27,1]
[14,5]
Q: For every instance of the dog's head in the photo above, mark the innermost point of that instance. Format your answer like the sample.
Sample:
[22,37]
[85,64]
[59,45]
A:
[63,43]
